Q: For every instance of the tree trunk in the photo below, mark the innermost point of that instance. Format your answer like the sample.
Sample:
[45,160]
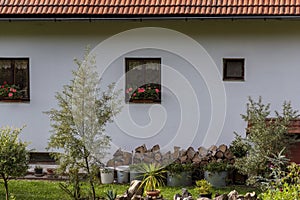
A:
[90,178]
[6,188]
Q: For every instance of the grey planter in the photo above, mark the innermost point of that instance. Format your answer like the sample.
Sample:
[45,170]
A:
[182,179]
[216,179]
[134,175]
[123,174]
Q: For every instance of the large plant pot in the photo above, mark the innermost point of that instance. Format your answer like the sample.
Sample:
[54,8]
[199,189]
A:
[216,179]
[182,179]
[107,175]
[123,174]
[38,172]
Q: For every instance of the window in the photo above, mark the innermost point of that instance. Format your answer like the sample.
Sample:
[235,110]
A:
[14,78]
[143,80]
[233,69]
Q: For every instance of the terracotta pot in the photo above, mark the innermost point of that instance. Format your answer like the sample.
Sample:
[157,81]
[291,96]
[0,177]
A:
[153,193]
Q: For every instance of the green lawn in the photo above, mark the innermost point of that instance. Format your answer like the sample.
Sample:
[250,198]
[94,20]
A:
[49,190]
[33,190]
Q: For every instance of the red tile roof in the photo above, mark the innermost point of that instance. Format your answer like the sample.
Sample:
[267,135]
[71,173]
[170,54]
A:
[128,8]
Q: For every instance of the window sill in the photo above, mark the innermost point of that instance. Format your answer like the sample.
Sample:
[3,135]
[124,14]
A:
[145,101]
[14,100]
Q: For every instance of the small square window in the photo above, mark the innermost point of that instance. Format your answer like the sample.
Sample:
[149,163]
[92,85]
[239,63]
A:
[14,79]
[233,69]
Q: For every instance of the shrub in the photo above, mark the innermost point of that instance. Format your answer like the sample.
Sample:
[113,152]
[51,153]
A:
[203,187]
[293,174]
[276,172]
[216,166]
[239,147]
[264,137]
[13,156]
[288,192]
[176,168]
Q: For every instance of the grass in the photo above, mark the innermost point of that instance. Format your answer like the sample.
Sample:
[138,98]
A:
[168,192]
[33,190]
[49,190]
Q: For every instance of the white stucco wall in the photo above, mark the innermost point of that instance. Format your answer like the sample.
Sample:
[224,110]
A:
[271,50]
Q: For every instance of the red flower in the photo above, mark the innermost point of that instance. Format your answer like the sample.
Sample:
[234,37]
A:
[129,90]
[157,90]
[10,94]
[141,90]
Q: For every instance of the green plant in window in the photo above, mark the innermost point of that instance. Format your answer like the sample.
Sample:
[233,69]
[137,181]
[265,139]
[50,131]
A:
[10,91]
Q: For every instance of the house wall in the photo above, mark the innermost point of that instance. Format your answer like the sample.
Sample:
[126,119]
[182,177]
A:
[197,107]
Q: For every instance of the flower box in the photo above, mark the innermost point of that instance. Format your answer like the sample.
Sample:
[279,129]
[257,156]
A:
[148,93]
[10,100]
[144,101]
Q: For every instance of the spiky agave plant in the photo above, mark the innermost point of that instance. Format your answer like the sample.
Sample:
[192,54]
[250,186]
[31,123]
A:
[154,176]
[111,194]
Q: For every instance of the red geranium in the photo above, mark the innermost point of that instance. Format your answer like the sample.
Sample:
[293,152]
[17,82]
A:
[10,91]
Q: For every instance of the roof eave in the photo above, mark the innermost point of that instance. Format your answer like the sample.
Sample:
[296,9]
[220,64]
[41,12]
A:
[20,17]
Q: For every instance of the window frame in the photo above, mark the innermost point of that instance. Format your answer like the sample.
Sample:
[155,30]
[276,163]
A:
[13,59]
[144,60]
[225,68]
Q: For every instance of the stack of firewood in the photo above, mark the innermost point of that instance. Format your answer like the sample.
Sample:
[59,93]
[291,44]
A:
[201,156]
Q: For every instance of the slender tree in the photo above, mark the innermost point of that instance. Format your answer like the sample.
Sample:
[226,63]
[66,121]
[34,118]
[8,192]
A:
[14,157]
[79,123]
[266,136]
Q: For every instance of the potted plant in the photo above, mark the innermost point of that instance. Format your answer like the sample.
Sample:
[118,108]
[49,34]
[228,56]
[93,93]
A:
[38,171]
[107,175]
[179,174]
[51,173]
[204,188]
[154,176]
[215,173]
